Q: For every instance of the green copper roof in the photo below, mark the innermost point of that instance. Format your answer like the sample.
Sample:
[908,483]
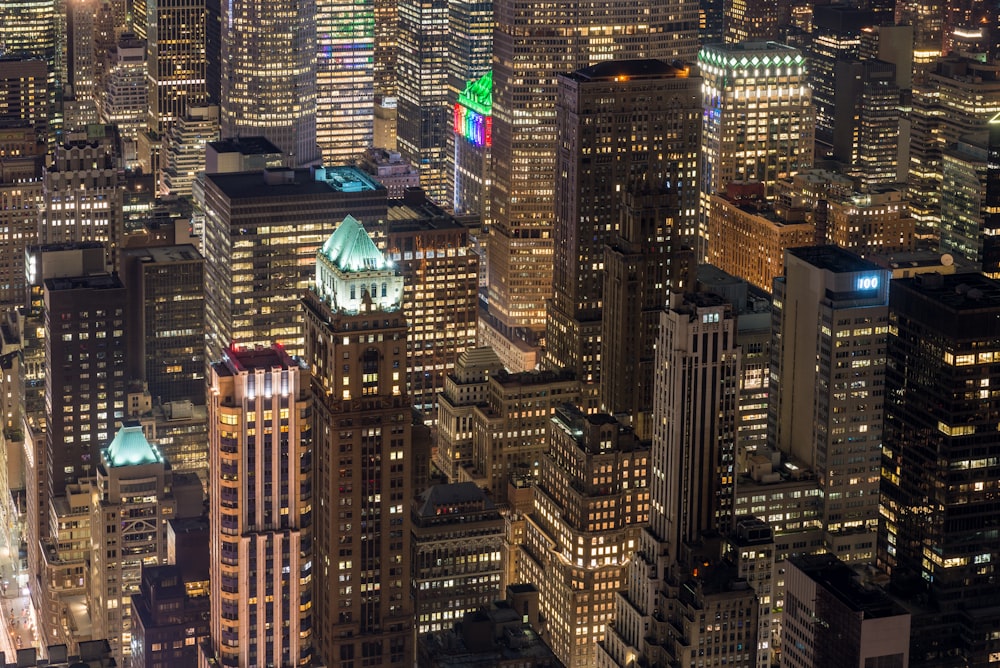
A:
[478,95]
[351,249]
[130,448]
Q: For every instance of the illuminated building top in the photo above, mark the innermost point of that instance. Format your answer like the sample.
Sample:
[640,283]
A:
[750,55]
[351,272]
[478,95]
[130,448]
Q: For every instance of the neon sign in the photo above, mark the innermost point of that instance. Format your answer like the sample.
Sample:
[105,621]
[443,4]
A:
[866,282]
[475,127]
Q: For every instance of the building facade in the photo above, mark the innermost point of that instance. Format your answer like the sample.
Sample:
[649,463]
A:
[269,74]
[828,351]
[356,347]
[261,517]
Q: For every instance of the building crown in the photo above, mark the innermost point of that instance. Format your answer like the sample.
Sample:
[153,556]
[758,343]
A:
[353,275]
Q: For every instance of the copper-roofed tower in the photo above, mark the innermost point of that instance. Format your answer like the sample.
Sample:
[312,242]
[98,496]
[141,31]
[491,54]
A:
[355,341]
[261,499]
[132,500]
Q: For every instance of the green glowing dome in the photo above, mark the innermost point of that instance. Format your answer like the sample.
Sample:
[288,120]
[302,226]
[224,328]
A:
[350,248]
[130,448]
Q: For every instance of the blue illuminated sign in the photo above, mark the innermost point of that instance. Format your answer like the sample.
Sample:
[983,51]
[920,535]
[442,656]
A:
[866,282]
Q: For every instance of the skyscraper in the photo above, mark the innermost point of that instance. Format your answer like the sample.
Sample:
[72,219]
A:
[85,359]
[269,74]
[423,121]
[593,485]
[125,99]
[694,438]
[527,58]
[176,58]
[742,138]
[132,500]
[356,348]
[166,293]
[261,537]
[604,152]
[937,537]
[830,322]
[345,71]
[289,212]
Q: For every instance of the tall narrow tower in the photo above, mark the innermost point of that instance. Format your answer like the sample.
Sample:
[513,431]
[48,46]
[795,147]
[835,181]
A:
[269,74]
[261,501]
[623,126]
[532,43]
[356,348]
[829,329]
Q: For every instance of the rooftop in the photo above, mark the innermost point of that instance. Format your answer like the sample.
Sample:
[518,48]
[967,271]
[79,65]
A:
[129,447]
[97,282]
[625,70]
[454,499]
[956,292]
[245,146]
[294,182]
[843,582]
[832,258]
[351,249]
[234,360]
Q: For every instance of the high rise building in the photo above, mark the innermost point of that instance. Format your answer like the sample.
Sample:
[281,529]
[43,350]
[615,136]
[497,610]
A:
[356,348]
[166,615]
[20,193]
[32,27]
[750,20]
[85,344]
[269,73]
[82,193]
[642,264]
[941,395]
[457,537]
[261,518]
[386,33]
[694,441]
[184,148]
[591,501]
[125,99]
[826,394]
[742,140]
[991,224]
[602,153]
[132,500]
[176,57]
[290,213]
[957,97]
[388,168]
[509,430]
[927,19]
[80,93]
[747,236]
[166,347]
[346,61]
[526,60]
[831,619]
[23,94]
[964,170]
[875,222]
[440,292]
[836,36]
[423,120]
[866,120]
[751,549]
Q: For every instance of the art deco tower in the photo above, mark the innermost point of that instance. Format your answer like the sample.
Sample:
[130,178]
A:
[269,74]
[526,59]
[261,502]
[356,348]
